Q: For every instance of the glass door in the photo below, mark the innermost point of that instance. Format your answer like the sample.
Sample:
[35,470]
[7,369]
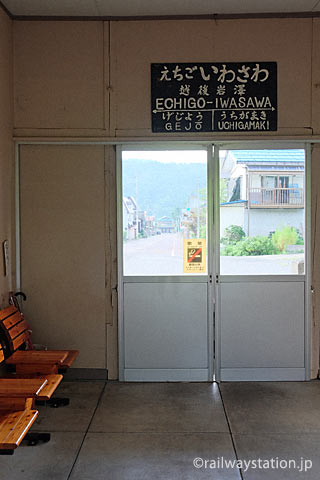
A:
[165,279]
[263,270]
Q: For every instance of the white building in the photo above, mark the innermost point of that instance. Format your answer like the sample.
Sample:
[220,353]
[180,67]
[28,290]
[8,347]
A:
[130,217]
[265,190]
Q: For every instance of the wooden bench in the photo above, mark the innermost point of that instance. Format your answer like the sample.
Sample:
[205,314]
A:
[17,413]
[31,363]
[16,334]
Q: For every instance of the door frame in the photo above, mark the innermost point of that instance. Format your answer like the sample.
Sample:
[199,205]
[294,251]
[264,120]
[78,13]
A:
[213,229]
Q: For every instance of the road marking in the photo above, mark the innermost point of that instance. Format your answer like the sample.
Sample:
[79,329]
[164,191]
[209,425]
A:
[174,247]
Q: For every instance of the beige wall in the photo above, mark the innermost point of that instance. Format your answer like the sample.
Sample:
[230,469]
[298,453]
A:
[6,149]
[83,80]
[134,46]
[315,110]
[288,42]
[92,79]
[60,76]
[63,248]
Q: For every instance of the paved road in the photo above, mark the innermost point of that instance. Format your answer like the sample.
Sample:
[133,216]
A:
[163,255]
[157,255]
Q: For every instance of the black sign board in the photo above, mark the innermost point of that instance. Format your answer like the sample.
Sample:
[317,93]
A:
[214,97]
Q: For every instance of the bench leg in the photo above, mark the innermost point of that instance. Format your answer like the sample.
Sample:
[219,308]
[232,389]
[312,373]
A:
[34,438]
[6,452]
[54,402]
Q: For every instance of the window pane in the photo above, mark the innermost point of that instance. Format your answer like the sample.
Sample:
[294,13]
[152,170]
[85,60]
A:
[164,205]
[262,212]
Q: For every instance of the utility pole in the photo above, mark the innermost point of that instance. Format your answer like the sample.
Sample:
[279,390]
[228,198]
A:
[137,214]
[198,219]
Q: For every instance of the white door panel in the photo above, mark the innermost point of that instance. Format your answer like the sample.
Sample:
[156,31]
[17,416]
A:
[262,325]
[165,325]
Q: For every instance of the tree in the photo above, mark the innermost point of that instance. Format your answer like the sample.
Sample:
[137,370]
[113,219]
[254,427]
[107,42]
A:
[284,237]
[232,235]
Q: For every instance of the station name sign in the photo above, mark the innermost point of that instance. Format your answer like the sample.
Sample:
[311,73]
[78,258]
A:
[214,97]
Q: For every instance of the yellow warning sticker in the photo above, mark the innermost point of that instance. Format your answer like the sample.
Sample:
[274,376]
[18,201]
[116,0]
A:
[194,255]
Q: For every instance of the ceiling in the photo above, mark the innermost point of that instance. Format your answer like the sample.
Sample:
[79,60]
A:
[132,8]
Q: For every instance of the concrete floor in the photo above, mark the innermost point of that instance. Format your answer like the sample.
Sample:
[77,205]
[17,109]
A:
[155,431]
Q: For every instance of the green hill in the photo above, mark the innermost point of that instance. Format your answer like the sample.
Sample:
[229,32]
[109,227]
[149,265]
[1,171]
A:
[161,188]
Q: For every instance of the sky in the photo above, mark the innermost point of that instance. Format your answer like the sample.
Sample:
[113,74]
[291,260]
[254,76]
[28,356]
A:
[168,156]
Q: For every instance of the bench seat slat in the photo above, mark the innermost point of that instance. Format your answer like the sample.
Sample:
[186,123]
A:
[14,426]
[18,329]
[21,387]
[50,357]
[46,392]
[6,312]
[70,358]
[52,384]
[20,340]
[11,321]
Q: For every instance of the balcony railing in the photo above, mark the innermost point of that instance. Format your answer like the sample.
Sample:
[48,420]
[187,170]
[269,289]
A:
[276,197]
